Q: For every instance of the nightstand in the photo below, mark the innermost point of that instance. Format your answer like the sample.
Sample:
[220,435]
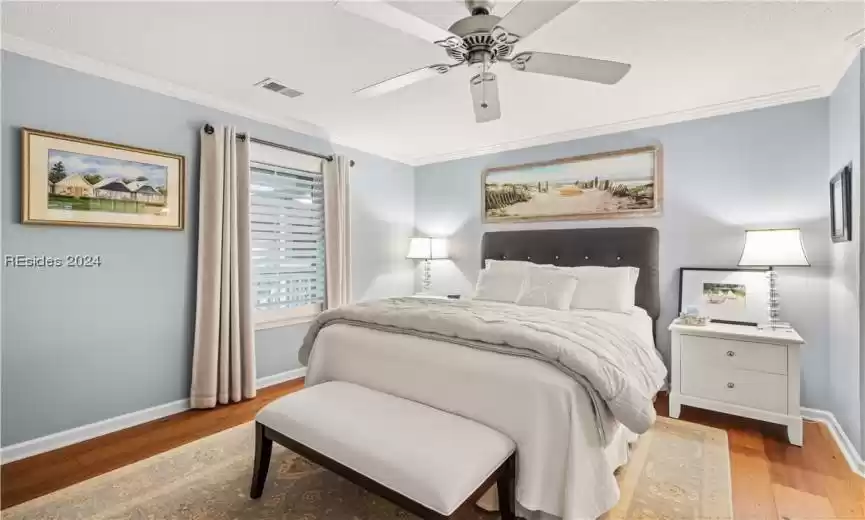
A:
[738,370]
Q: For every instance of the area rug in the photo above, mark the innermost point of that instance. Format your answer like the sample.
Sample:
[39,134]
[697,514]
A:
[678,471]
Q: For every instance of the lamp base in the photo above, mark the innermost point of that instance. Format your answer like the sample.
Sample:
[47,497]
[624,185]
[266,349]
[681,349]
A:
[778,325]
[427,276]
[774,301]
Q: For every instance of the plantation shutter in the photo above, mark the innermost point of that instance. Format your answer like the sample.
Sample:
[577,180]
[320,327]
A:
[287,226]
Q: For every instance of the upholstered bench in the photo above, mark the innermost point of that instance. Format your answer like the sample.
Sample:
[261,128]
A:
[424,460]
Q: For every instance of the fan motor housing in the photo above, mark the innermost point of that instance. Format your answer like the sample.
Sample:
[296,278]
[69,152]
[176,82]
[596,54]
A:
[476,34]
[479,23]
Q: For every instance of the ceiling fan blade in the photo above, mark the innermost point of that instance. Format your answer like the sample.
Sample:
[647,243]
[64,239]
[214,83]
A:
[485,97]
[386,14]
[576,67]
[403,80]
[530,15]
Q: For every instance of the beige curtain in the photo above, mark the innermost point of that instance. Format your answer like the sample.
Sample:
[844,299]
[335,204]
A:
[223,363]
[337,231]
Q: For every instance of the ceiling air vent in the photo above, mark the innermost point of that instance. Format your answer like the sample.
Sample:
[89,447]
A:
[275,86]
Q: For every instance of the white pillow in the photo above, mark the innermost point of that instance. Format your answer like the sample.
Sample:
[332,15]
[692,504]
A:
[500,282]
[507,265]
[599,288]
[550,288]
[605,288]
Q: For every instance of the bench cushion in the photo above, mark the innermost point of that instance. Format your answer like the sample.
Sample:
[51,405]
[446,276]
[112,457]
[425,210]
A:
[432,457]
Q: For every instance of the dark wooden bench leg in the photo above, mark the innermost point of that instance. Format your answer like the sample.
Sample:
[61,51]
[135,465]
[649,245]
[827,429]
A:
[506,485]
[263,448]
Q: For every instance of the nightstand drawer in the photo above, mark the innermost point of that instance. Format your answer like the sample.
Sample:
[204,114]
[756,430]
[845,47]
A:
[743,387]
[713,353]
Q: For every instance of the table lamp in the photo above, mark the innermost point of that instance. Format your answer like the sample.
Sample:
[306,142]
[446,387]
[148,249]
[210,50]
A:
[426,249]
[773,248]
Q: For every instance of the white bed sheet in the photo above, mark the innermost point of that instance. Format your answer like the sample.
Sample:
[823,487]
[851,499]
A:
[563,468]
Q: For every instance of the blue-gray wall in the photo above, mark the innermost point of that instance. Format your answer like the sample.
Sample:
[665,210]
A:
[845,142]
[847,360]
[79,346]
[861,253]
[722,175]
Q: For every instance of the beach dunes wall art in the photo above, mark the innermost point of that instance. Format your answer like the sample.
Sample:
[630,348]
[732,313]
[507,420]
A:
[604,185]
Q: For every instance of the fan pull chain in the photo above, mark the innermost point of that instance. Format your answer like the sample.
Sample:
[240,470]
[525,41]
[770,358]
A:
[484,84]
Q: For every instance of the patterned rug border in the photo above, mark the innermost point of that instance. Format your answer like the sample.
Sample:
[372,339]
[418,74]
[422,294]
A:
[718,436]
[123,470]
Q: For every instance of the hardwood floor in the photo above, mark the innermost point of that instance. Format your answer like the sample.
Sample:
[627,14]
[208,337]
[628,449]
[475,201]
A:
[771,479]
[27,479]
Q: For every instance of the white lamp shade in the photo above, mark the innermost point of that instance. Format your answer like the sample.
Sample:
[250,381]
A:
[426,248]
[773,248]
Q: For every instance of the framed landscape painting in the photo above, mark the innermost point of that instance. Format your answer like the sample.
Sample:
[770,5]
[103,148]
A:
[625,183]
[76,181]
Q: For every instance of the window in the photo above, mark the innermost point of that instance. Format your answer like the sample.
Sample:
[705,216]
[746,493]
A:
[287,226]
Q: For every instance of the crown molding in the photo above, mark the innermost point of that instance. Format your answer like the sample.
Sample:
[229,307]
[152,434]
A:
[856,39]
[854,43]
[119,74]
[719,109]
[93,67]
[87,65]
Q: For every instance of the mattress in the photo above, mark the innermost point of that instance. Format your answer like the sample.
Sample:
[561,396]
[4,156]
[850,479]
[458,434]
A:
[564,468]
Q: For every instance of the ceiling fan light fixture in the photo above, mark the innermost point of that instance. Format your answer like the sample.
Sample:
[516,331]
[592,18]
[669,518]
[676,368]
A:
[483,39]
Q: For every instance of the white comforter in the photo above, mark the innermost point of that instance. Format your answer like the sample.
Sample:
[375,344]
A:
[621,372]
[563,469]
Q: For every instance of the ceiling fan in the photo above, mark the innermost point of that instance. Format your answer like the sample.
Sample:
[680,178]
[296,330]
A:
[480,41]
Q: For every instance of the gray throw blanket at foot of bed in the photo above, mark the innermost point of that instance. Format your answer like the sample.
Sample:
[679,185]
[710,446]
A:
[619,370]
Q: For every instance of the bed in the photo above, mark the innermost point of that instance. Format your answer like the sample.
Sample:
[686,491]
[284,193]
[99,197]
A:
[566,470]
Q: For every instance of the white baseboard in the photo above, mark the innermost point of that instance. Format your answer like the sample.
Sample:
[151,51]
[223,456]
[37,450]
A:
[854,459]
[275,379]
[89,431]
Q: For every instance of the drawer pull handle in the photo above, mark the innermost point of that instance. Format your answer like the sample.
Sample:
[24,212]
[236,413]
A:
[730,385]
[730,353]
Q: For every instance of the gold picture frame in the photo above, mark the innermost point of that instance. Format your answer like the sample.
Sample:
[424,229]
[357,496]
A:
[632,187]
[76,181]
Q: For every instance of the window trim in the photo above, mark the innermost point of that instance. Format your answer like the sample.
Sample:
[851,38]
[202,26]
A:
[275,157]
[286,317]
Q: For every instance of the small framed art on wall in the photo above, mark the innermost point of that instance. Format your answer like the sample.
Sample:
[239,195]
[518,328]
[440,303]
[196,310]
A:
[840,204]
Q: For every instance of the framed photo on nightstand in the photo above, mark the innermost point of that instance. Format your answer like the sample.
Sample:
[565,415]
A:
[734,296]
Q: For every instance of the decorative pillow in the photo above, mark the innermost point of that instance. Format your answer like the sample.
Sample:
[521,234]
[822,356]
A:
[599,287]
[550,288]
[507,265]
[605,288]
[500,282]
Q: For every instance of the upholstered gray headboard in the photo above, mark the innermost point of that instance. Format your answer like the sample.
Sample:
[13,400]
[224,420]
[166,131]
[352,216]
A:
[609,247]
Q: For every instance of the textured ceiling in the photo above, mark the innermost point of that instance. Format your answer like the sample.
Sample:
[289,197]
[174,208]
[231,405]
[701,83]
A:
[685,55]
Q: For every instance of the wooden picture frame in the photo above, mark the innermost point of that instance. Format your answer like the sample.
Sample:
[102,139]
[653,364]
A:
[840,205]
[618,184]
[76,181]
[751,307]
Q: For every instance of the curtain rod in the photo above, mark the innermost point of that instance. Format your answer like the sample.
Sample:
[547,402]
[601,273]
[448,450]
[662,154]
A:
[208,129]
